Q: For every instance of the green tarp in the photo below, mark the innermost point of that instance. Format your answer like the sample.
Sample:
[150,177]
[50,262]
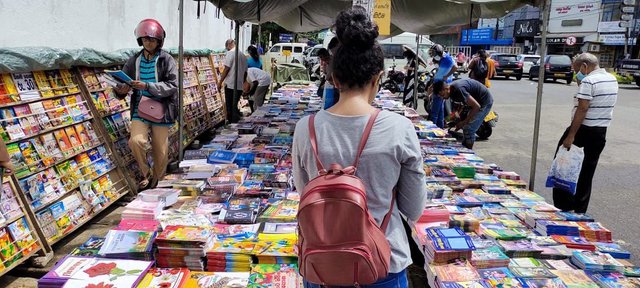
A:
[26,59]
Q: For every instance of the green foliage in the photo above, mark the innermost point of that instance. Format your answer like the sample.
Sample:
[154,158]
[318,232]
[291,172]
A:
[623,79]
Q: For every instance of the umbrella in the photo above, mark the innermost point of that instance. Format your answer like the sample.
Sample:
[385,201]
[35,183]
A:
[420,60]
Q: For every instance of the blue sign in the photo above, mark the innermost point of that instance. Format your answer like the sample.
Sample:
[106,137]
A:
[285,38]
[484,36]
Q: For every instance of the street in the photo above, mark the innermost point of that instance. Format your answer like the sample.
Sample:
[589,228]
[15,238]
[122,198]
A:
[614,199]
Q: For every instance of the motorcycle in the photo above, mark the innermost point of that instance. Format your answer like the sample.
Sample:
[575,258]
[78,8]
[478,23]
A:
[395,80]
[461,112]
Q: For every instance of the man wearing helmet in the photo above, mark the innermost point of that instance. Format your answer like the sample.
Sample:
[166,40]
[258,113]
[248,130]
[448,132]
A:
[446,68]
[155,75]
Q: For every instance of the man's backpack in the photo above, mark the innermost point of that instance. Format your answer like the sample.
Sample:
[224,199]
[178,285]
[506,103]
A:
[481,70]
[339,241]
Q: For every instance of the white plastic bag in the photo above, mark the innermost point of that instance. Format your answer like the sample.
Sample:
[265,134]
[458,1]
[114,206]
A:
[565,169]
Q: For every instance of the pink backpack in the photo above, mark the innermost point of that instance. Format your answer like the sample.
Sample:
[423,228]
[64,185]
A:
[339,242]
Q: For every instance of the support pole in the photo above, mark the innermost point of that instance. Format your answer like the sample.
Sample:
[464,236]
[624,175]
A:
[415,73]
[536,127]
[237,74]
[181,84]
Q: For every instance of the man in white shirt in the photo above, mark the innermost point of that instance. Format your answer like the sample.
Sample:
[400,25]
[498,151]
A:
[592,113]
[256,87]
[233,88]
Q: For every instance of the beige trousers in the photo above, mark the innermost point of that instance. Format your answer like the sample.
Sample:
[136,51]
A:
[139,143]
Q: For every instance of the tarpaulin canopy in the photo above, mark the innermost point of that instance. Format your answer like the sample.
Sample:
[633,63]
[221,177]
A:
[416,16]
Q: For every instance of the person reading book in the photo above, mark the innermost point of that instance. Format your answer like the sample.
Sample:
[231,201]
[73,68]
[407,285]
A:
[391,158]
[155,75]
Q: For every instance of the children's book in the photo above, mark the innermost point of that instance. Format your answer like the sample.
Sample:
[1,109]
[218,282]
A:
[74,139]
[9,252]
[121,242]
[57,112]
[457,272]
[76,107]
[61,215]
[43,154]
[542,283]
[43,84]
[56,82]
[275,275]
[536,272]
[20,232]
[48,224]
[63,142]
[30,156]
[217,279]
[51,145]
[165,278]
[8,91]
[90,248]
[575,278]
[27,120]
[9,205]
[18,160]
[67,80]
[109,273]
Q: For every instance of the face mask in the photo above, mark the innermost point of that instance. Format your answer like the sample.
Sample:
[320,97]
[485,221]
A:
[437,57]
[580,76]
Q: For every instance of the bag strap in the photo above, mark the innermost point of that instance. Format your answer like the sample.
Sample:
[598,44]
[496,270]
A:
[314,144]
[387,217]
[365,136]
[363,140]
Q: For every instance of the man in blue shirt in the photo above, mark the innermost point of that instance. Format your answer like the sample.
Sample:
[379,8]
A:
[446,68]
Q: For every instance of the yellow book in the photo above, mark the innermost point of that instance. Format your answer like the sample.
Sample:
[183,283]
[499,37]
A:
[67,79]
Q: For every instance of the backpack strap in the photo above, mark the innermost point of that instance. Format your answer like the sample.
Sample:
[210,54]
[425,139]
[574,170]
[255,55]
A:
[387,217]
[365,136]
[314,143]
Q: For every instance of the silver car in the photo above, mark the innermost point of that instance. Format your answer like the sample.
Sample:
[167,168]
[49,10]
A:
[528,61]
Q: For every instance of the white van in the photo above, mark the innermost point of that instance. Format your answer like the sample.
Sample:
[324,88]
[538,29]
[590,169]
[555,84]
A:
[276,52]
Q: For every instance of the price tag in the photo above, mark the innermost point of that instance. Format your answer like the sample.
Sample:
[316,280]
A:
[26,85]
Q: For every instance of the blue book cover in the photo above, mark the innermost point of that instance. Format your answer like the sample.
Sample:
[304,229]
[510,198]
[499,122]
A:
[454,243]
[222,156]
[613,249]
[445,232]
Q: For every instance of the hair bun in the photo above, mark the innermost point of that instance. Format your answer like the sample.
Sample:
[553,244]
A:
[355,29]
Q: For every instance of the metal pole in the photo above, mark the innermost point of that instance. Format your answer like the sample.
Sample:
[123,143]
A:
[235,64]
[626,41]
[536,127]
[180,83]
[415,73]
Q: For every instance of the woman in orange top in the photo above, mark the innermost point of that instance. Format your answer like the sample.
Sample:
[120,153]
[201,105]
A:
[491,64]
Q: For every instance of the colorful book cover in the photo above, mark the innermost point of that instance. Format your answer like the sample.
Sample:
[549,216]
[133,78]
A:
[8,91]
[56,82]
[217,279]
[20,232]
[468,284]
[89,248]
[575,278]
[9,202]
[61,215]
[9,252]
[88,127]
[74,139]
[26,120]
[185,233]
[82,135]
[445,232]
[75,107]
[120,241]
[536,272]
[453,243]
[51,145]
[18,160]
[43,154]
[275,275]
[67,80]
[57,112]
[26,86]
[63,142]
[165,278]
[109,273]
[457,272]
[12,124]
[47,224]
[30,156]
[43,84]
[541,283]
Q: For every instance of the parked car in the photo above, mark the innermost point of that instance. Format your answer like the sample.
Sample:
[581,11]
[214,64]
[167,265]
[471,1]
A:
[276,52]
[555,67]
[507,65]
[311,58]
[527,61]
[631,67]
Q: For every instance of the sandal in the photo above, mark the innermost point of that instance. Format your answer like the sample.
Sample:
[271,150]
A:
[144,184]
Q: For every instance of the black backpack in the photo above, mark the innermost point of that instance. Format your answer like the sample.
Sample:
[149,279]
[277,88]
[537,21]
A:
[480,70]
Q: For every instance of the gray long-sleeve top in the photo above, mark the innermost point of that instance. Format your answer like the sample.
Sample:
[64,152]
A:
[391,158]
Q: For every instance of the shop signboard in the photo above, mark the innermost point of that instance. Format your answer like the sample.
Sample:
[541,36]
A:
[526,28]
[563,40]
[615,39]
[574,16]
[477,36]
[285,38]
[610,27]
[382,16]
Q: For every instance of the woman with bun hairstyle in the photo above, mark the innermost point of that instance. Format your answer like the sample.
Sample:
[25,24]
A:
[391,159]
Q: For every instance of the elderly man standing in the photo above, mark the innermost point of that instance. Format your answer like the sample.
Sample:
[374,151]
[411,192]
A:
[592,113]
[233,88]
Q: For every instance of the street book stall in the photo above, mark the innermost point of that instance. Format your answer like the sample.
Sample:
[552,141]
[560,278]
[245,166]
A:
[67,137]
[228,218]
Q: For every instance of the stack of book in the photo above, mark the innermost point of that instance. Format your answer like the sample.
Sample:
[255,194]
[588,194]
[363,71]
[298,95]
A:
[520,248]
[75,271]
[454,275]
[468,223]
[446,244]
[230,255]
[613,279]
[274,248]
[575,278]
[168,196]
[142,210]
[183,246]
[217,279]
[596,261]
[280,211]
[489,258]
[138,225]
[613,249]
[275,275]
[128,244]
[498,277]
[574,242]
[165,278]
[571,216]
[503,233]
[547,227]
[594,231]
